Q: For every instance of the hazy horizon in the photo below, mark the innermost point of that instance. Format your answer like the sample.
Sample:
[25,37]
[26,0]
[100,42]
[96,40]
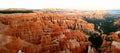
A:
[63,4]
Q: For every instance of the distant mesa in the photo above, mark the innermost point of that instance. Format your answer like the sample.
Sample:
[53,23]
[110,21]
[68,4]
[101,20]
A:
[16,9]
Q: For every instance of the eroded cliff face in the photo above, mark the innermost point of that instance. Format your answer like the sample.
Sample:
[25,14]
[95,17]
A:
[117,22]
[43,32]
[95,14]
[50,32]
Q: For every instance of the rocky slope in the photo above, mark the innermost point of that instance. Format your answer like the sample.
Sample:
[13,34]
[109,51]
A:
[42,32]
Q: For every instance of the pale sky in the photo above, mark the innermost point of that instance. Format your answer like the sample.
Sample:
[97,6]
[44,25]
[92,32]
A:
[72,4]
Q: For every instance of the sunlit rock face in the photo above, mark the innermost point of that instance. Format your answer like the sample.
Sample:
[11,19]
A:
[40,32]
[117,22]
[48,32]
[4,39]
[95,14]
